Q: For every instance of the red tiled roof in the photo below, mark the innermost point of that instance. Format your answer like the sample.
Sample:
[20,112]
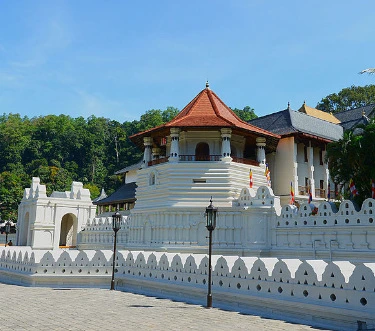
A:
[206,111]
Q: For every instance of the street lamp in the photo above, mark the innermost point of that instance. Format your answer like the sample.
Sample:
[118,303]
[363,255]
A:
[211,213]
[7,231]
[116,225]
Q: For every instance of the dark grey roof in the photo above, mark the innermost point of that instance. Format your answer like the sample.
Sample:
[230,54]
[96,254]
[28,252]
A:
[353,117]
[278,122]
[124,193]
[135,166]
[289,121]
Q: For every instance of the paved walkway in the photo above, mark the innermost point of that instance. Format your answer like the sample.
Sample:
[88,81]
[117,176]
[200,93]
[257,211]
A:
[39,309]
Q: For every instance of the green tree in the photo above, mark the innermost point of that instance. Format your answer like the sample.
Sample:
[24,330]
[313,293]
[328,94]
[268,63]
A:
[348,98]
[352,157]
[246,114]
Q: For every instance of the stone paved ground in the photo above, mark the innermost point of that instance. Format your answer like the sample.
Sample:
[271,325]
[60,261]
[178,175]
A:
[39,309]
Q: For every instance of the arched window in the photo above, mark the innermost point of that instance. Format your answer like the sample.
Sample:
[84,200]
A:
[152,178]
[202,152]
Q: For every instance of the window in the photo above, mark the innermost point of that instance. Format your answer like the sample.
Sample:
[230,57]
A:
[321,156]
[305,153]
[152,179]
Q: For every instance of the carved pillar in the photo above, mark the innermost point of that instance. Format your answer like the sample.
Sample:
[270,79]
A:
[175,150]
[147,141]
[261,151]
[225,144]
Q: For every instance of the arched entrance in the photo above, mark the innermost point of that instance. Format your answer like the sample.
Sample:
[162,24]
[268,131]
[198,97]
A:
[68,231]
[202,152]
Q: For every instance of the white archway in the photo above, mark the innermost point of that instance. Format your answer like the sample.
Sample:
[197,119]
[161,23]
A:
[68,230]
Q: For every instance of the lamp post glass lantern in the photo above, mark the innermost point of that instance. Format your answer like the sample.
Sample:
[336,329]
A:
[211,213]
[116,225]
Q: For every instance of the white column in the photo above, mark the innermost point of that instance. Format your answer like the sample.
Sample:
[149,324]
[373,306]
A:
[311,169]
[261,152]
[175,150]
[225,144]
[295,169]
[147,141]
[326,172]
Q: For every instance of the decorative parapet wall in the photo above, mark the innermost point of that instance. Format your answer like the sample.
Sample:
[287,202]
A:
[97,233]
[328,232]
[334,294]
[255,225]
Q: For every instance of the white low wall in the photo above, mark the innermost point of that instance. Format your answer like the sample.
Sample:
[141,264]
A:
[255,225]
[335,294]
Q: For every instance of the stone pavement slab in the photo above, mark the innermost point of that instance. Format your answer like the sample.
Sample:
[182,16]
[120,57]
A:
[42,309]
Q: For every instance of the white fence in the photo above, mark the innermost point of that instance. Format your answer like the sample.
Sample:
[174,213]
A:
[335,294]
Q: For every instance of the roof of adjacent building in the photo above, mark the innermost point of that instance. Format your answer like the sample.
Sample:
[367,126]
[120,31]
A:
[102,196]
[135,166]
[125,193]
[329,117]
[288,122]
[206,111]
[353,117]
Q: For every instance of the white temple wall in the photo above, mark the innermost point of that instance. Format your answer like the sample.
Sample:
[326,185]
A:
[131,176]
[255,225]
[192,184]
[331,294]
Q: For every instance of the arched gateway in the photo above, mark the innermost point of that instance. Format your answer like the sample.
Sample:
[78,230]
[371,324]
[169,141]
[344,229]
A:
[55,221]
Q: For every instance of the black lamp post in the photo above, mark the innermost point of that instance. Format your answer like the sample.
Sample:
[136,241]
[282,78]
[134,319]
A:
[116,225]
[7,231]
[211,213]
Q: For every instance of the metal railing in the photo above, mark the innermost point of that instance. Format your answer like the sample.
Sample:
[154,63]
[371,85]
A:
[193,158]
[200,157]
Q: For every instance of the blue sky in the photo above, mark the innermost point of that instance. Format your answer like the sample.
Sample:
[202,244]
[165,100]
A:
[118,59]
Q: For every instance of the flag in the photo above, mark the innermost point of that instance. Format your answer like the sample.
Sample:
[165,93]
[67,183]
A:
[310,195]
[372,189]
[291,194]
[352,188]
[251,178]
[329,191]
[267,173]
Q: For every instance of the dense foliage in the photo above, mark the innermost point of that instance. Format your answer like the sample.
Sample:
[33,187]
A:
[246,114]
[348,98]
[60,149]
[353,158]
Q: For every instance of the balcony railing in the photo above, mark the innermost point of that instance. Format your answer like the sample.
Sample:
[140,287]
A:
[200,157]
[192,158]
[319,193]
[157,161]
